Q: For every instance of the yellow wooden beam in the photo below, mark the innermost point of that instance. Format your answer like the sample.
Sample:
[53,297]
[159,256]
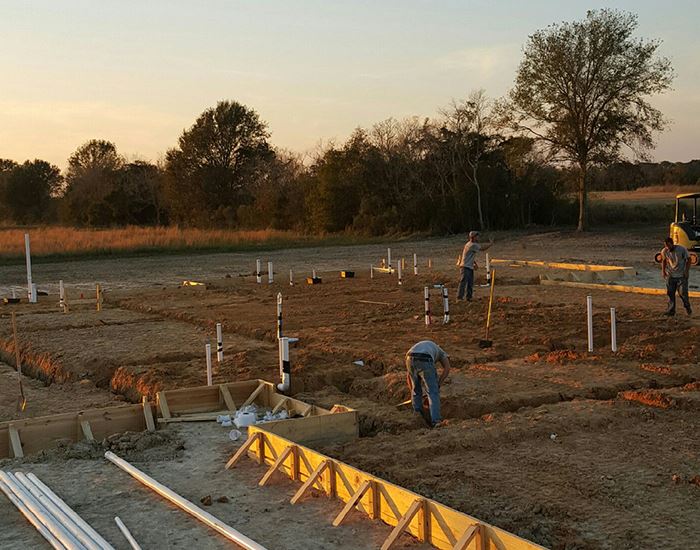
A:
[614,288]
[402,524]
[350,504]
[276,464]
[313,478]
[252,438]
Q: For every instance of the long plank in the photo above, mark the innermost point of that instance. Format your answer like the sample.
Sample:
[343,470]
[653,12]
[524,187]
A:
[402,524]
[15,442]
[614,288]
[350,504]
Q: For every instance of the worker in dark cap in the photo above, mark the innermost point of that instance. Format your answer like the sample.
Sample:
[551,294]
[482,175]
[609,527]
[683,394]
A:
[466,265]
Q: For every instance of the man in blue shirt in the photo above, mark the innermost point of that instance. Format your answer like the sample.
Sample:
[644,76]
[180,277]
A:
[420,363]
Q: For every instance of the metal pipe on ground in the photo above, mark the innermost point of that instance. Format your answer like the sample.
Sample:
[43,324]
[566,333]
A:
[84,525]
[45,517]
[127,534]
[59,513]
[31,517]
[184,504]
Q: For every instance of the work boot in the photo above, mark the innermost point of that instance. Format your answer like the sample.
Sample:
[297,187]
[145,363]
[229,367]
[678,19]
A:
[670,313]
[689,311]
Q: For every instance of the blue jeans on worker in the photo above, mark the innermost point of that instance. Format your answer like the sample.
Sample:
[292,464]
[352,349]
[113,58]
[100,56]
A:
[680,285]
[421,369]
[466,283]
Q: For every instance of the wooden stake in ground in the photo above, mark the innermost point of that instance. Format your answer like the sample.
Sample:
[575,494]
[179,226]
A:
[486,343]
[22,401]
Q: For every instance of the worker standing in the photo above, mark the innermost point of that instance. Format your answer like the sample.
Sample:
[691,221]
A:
[420,363]
[675,268]
[466,265]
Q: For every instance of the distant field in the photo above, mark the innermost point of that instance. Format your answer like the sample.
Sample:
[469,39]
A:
[651,196]
[61,242]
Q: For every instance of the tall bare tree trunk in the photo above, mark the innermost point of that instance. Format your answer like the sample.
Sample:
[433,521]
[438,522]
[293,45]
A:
[582,199]
[478,197]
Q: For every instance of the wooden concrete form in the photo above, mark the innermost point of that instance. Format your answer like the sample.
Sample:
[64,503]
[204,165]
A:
[425,519]
[588,273]
[614,288]
[308,423]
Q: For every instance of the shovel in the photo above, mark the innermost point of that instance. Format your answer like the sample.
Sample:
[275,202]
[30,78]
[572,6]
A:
[486,343]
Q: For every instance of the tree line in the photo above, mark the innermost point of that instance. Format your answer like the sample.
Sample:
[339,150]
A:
[580,99]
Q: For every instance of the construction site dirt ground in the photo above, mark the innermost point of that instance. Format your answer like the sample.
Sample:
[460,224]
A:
[570,449]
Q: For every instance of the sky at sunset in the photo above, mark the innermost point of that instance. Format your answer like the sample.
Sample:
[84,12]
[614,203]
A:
[138,72]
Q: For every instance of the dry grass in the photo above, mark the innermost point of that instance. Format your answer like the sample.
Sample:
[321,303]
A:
[66,241]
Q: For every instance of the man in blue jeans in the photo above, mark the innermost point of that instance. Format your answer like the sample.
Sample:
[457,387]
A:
[466,264]
[675,268]
[420,363]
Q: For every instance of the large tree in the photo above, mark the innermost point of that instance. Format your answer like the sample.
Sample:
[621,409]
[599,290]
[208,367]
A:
[217,162]
[29,191]
[93,170]
[582,90]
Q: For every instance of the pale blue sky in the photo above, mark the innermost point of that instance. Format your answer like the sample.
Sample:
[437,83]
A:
[139,72]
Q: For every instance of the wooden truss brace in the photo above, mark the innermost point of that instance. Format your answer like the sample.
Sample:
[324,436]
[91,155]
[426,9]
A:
[350,504]
[311,481]
[279,405]
[403,523]
[228,400]
[148,414]
[253,395]
[242,450]
[277,463]
[473,531]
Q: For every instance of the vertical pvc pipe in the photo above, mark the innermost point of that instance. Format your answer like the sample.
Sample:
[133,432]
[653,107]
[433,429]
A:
[31,294]
[613,330]
[445,306]
[98,298]
[61,296]
[270,275]
[388,257]
[430,263]
[207,349]
[313,273]
[488,268]
[399,271]
[589,317]
[291,278]
[279,315]
[219,343]
[285,366]
[415,264]
[258,274]
[426,298]
[34,296]
[371,272]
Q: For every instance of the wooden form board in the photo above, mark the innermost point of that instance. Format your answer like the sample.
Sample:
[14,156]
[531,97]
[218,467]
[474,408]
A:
[614,288]
[435,524]
[561,265]
[46,432]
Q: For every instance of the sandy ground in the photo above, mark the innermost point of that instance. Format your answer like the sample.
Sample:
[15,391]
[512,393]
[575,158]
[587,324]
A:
[98,491]
[571,449]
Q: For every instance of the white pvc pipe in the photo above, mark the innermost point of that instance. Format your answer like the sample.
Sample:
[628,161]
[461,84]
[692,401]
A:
[399,272]
[415,264]
[285,366]
[388,257]
[84,525]
[270,273]
[258,274]
[371,272]
[51,523]
[31,293]
[61,516]
[291,278]
[61,295]
[207,350]
[589,318]
[127,534]
[426,298]
[488,268]
[613,330]
[445,306]
[219,343]
[279,315]
[192,509]
[31,517]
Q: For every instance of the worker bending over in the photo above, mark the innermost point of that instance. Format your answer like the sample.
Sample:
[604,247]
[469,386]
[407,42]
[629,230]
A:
[420,363]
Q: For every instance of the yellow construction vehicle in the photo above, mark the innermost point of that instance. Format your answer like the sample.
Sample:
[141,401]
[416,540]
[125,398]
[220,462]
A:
[685,230]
